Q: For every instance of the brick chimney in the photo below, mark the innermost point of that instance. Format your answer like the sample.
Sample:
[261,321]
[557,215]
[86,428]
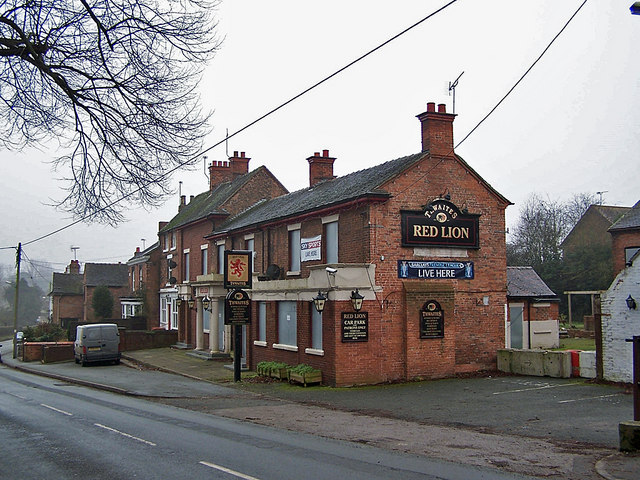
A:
[228,170]
[320,167]
[437,130]
[74,267]
[183,202]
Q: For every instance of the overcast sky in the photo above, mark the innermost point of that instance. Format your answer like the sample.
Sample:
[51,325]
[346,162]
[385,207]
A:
[571,126]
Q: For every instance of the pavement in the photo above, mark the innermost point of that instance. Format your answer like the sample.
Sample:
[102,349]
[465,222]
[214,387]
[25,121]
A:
[418,418]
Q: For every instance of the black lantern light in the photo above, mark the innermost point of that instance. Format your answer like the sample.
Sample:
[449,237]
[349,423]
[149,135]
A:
[319,301]
[631,302]
[356,300]
[191,302]
[206,303]
[179,301]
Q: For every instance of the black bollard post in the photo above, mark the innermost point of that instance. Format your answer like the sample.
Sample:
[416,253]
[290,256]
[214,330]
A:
[237,353]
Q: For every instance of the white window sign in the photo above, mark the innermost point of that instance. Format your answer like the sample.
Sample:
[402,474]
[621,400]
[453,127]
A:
[310,248]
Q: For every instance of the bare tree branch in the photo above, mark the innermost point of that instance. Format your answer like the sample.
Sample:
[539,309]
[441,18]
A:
[114,82]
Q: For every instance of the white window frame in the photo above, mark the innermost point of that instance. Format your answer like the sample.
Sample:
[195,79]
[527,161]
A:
[251,246]
[174,314]
[164,320]
[220,246]
[262,325]
[186,269]
[294,248]
[204,259]
[287,332]
[332,247]
[173,240]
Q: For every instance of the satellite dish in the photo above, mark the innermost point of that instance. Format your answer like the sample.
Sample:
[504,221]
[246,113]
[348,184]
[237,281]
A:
[172,264]
[273,272]
[172,280]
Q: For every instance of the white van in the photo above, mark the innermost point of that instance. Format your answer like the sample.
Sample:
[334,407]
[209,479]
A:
[97,342]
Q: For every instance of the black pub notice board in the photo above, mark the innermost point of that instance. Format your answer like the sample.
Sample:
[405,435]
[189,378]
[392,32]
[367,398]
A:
[431,320]
[355,326]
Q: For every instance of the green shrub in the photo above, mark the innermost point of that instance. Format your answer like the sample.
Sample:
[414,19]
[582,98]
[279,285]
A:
[45,332]
[302,369]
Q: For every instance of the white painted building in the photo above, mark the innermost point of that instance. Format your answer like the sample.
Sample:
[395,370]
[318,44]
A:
[619,322]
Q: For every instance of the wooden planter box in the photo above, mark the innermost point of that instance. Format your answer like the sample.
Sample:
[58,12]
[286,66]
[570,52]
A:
[281,373]
[306,378]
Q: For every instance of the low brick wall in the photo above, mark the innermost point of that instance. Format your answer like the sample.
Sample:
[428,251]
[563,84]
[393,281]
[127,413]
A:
[144,339]
[46,351]
[577,333]
[57,353]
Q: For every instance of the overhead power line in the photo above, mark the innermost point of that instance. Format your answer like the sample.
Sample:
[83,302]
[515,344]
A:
[410,187]
[227,137]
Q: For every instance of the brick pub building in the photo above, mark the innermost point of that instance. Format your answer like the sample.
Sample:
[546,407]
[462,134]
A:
[421,238]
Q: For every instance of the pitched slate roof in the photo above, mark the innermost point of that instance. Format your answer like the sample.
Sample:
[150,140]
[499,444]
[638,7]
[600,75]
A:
[631,219]
[611,213]
[138,257]
[66,284]
[360,184]
[525,282]
[210,202]
[107,274]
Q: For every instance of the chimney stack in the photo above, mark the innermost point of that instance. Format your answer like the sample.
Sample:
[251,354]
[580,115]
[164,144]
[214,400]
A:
[228,170]
[437,130]
[320,168]
[183,202]
[74,267]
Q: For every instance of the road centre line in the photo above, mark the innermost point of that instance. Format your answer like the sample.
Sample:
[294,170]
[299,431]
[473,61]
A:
[589,398]
[56,409]
[125,434]
[229,471]
[536,388]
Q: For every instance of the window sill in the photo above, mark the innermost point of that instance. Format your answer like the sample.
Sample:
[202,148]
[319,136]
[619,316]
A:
[314,351]
[289,348]
[258,343]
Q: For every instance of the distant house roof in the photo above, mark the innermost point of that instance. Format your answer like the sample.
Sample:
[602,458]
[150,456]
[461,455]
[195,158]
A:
[525,282]
[609,213]
[210,202]
[142,256]
[107,274]
[631,219]
[362,184]
[66,284]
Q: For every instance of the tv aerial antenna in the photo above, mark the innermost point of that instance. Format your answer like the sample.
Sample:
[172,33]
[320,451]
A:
[600,196]
[74,249]
[452,90]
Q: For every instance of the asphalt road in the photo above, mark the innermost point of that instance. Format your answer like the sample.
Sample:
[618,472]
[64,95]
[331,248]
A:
[51,428]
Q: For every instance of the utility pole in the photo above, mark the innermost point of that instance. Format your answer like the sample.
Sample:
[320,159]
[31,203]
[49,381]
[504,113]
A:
[16,298]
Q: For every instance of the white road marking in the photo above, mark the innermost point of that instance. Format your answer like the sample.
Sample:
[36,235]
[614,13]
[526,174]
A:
[16,395]
[229,471]
[589,398]
[125,434]
[56,409]
[536,388]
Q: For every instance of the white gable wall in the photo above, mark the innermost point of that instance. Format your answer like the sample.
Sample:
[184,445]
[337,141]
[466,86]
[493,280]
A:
[620,323]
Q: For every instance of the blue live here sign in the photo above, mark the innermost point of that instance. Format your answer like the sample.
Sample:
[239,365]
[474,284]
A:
[435,269]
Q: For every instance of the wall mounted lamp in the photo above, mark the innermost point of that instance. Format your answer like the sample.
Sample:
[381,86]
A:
[319,301]
[179,301]
[206,303]
[356,300]
[191,302]
[631,302]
